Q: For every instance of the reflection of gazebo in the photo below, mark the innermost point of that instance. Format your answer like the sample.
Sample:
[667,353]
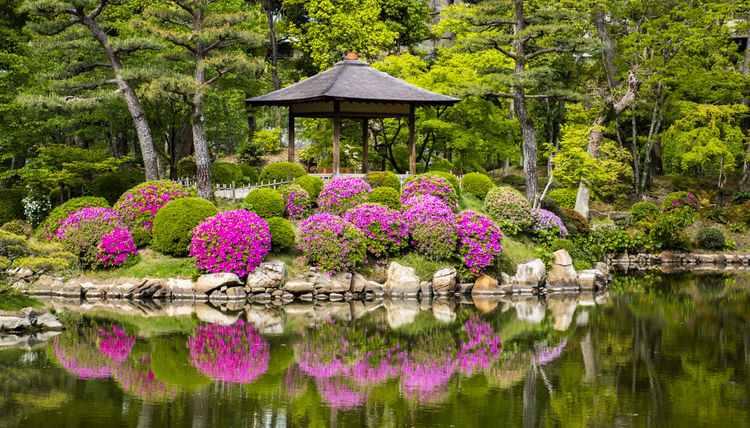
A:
[352,90]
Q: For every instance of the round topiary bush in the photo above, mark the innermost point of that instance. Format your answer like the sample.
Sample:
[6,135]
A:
[387,196]
[564,197]
[479,241]
[509,208]
[575,222]
[342,193]
[378,179]
[174,222]
[450,178]
[226,173]
[679,200]
[281,171]
[249,173]
[59,214]
[547,226]
[17,227]
[331,243]
[710,238]
[110,186]
[186,167]
[11,207]
[477,184]
[643,211]
[312,184]
[97,237]
[232,241]
[265,202]
[430,185]
[432,226]
[282,234]
[296,201]
[385,233]
[138,206]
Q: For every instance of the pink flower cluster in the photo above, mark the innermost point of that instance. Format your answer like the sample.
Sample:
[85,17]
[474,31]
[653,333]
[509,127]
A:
[97,236]
[114,343]
[136,377]
[235,353]
[546,354]
[680,200]
[509,208]
[432,226]
[232,241]
[342,193]
[432,185]
[385,233]
[478,241]
[296,201]
[331,243]
[547,224]
[93,353]
[138,206]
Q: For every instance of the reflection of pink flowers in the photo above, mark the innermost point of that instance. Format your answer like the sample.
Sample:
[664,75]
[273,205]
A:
[136,377]
[546,354]
[481,349]
[340,395]
[235,353]
[422,380]
[114,343]
[93,353]
[83,361]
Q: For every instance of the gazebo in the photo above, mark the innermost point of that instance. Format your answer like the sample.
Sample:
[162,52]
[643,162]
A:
[353,90]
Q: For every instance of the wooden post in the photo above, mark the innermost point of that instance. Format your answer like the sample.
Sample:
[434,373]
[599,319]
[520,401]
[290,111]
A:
[412,147]
[234,195]
[336,129]
[364,146]
[291,135]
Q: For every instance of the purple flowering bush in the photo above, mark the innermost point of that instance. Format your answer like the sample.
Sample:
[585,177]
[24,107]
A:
[430,185]
[235,353]
[432,226]
[97,237]
[509,208]
[232,241]
[385,233]
[297,201]
[342,193]
[679,200]
[479,241]
[331,243]
[547,226]
[138,206]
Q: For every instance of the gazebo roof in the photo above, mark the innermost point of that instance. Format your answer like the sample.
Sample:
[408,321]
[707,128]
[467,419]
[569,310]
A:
[354,81]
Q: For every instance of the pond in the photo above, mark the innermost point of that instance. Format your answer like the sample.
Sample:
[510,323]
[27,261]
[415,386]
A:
[655,350]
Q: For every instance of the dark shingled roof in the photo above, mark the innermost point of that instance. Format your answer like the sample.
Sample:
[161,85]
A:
[353,80]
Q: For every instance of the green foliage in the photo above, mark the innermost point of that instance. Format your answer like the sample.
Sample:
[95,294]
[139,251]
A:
[514,180]
[312,185]
[739,213]
[564,197]
[268,139]
[740,197]
[385,196]
[613,240]
[563,244]
[250,151]
[11,207]
[57,263]
[17,227]
[111,185]
[281,171]
[678,201]
[12,245]
[174,222]
[643,211]
[226,173]
[477,184]
[250,173]
[383,179]
[282,234]
[736,227]
[574,222]
[668,232]
[186,167]
[718,215]
[452,180]
[265,202]
[59,214]
[710,238]
[509,208]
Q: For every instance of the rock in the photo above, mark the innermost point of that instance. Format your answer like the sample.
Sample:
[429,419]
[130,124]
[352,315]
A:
[277,293]
[587,280]
[486,284]
[603,268]
[16,322]
[721,259]
[298,285]
[464,288]
[236,293]
[209,282]
[359,283]
[48,321]
[504,278]
[485,304]
[379,273]
[267,275]
[401,312]
[375,287]
[444,310]
[95,293]
[23,273]
[338,283]
[207,314]
[402,280]
[562,274]
[530,274]
[262,297]
[707,258]
[334,297]
[218,296]
[444,280]
[425,289]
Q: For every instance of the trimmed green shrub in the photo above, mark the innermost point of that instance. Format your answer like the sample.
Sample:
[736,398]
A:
[383,179]
[563,244]
[509,208]
[11,207]
[281,171]
[186,167]
[282,234]
[552,206]
[265,202]
[59,214]
[386,196]
[225,173]
[138,206]
[12,245]
[313,185]
[174,222]
[477,184]
[643,211]
[564,197]
[56,263]
[668,232]
[250,173]
[710,238]
[514,180]
[17,227]
[574,221]
[112,185]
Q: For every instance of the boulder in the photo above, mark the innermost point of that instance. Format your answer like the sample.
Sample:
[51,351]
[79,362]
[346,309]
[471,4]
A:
[359,283]
[299,285]
[485,285]
[562,274]
[464,288]
[485,303]
[267,275]
[444,310]
[402,280]
[14,322]
[531,274]
[587,279]
[337,283]
[236,293]
[444,280]
[707,258]
[212,281]
[48,321]
[425,289]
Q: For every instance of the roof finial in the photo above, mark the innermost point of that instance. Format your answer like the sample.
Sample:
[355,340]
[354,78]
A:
[351,55]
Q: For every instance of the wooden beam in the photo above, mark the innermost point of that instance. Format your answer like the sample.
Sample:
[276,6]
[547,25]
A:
[364,146]
[336,129]
[412,146]
[291,137]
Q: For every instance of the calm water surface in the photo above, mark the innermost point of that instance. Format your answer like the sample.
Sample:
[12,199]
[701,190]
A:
[652,351]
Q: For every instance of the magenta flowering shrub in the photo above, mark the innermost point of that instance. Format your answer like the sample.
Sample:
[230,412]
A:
[97,237]
[138,206]
[235,353]
[136,377]
[232,241]
[545,354]
[342,193]
[509,208]
[430,185]
[547,226]
[331,243]
[385,233]
[679,200]
[297,201]
[432,226]
[478,241]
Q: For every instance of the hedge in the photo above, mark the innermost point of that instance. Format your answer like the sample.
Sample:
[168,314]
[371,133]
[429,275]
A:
[281,171]
[383,179]
[226,173]
[282,234]
[477,184]
[387,196]
[313,185]
[265,202]
[59,214]
[174,222]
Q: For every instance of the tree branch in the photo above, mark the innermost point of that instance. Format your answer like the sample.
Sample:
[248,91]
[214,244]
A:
[99,9]
[545,51]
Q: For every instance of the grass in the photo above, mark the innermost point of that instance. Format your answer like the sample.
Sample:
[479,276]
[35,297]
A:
[518,251]
[467,201]
[12,301]
[152,265]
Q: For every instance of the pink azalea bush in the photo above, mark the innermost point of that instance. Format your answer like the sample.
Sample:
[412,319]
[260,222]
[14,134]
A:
[432,226]
[138,206]
[342,193]
[430,185]
[680,200]
[296,201]
[232,241]
[331,243]
[385,233]
[235,353]
[547,226]
[97,237]
[509,208]
[478,241]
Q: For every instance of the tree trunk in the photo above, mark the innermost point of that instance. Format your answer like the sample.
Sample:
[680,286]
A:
[202,157]
[636,154]
[656,118]
[745,180]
